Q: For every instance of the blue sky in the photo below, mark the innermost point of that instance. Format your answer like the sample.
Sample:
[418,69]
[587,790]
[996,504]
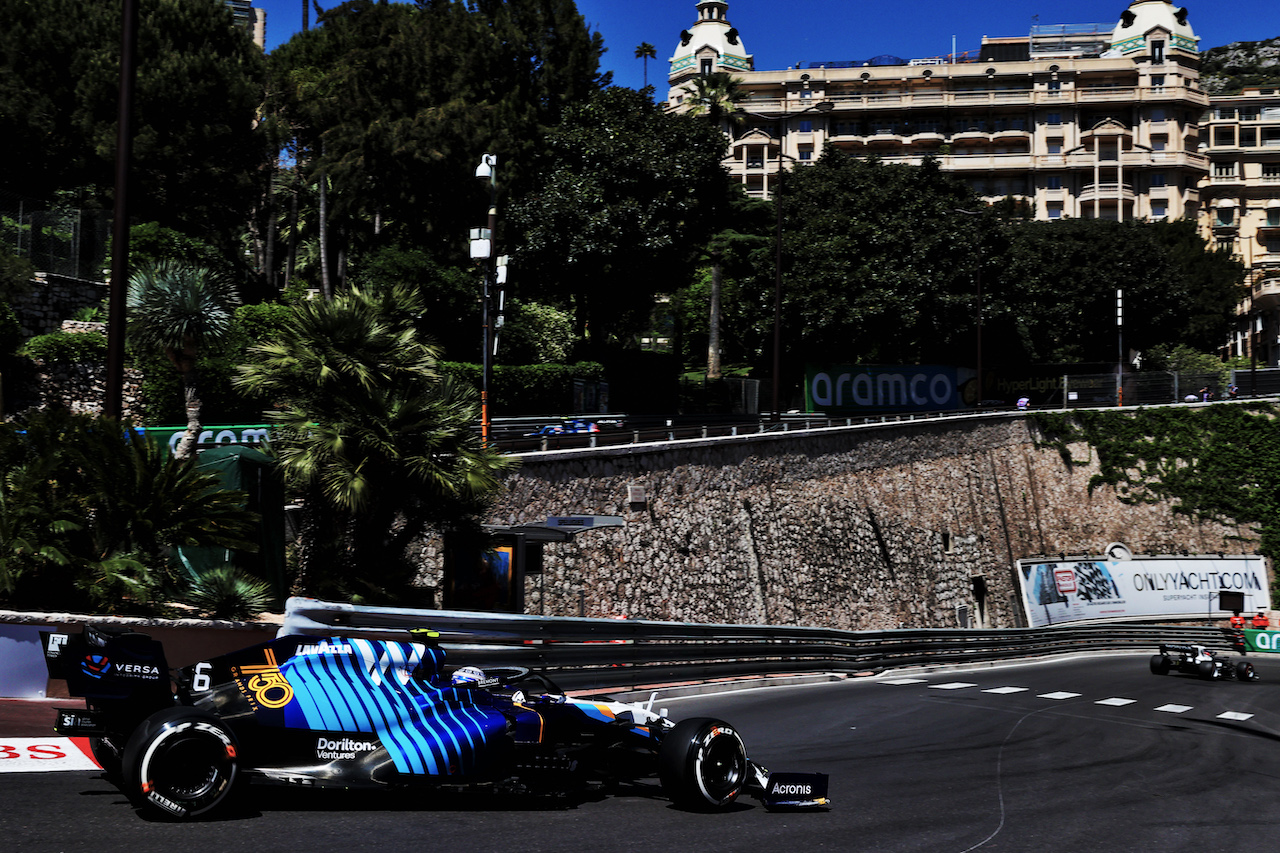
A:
[782,33]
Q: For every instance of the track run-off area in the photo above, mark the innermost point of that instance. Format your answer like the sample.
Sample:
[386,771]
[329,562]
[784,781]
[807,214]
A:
[1086,753]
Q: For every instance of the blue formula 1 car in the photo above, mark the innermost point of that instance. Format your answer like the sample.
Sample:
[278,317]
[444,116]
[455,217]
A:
[350,712]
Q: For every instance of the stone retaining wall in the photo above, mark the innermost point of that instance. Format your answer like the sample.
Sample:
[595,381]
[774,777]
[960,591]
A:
[855,528]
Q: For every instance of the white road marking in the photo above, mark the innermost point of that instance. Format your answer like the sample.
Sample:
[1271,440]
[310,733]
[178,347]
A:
[1007,690]
[1115,702]
[45,754]
[903,681]
[1174,709]
[1061,694]
[952,685]
[1234,715]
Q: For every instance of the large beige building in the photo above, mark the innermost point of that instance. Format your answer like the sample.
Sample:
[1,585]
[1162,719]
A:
[1085,121]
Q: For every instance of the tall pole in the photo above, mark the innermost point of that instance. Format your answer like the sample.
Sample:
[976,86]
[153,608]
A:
[482,250]
[1120,345]
[777,290]
[113,404]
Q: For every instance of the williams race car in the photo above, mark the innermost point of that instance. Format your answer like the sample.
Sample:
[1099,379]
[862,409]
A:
[351,712]
[1197,660]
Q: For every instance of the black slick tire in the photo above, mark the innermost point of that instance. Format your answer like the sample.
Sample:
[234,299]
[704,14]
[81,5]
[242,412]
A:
[702,764]
[180,763]
[1160,664]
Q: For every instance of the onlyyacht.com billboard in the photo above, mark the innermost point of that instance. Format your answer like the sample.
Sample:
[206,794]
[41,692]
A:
[1085,589]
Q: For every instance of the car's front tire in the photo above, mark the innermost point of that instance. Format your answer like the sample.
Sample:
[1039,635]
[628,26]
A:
[702,764]
[1246,672]
[181,763]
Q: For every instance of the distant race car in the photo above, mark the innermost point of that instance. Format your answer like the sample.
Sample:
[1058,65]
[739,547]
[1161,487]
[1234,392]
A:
[1197,660]
[353,712]
[569,427]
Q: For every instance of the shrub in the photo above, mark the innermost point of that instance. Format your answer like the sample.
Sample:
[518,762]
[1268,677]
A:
[66,347]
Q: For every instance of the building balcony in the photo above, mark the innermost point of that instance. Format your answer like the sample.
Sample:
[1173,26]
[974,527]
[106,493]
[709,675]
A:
[1111,191]
[1266,291]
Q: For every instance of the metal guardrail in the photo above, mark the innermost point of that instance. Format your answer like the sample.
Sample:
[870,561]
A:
[589,654]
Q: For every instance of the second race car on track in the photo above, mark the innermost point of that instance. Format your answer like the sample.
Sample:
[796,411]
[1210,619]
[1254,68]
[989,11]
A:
[353,712]
[1197,660]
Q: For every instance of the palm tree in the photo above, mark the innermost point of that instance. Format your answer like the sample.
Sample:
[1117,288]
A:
[178,308]
[715,96]
[646,51]
[379,444]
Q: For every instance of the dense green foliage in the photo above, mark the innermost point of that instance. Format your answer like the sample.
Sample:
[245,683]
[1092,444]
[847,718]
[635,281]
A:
[1229,69]
[198,151]
[535,389]
[89,511]
[1220,463]
[622,209]
[67,348]
[378,444]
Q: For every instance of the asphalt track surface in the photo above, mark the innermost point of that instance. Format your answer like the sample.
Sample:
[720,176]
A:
[1088,754]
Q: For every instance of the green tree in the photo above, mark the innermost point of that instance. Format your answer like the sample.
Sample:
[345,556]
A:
[177,309]
[379,445]
[1061,280]
[645,52]
[199,149]
[393,104]
[622,211]
[715,96]
[89,510]
[879,265]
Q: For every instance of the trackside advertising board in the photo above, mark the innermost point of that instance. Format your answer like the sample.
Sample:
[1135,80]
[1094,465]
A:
[1266,642]
[849,389]
[1088,589]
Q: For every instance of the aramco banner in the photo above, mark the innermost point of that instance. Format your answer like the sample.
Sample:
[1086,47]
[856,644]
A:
[1084,589]
[211,436]
[1266,642]
[848,389]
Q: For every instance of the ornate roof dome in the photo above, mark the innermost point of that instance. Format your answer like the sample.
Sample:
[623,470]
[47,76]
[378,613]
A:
[711,44]
[1131,35]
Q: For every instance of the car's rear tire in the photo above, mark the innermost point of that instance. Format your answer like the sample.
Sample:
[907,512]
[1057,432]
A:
[181,763]
[1160,664]
[1246,672]
[1208,669]
[702,764]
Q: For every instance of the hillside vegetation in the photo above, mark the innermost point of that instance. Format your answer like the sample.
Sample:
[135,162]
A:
[1231,68]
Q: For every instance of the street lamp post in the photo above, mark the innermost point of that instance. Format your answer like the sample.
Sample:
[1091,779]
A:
[1120,346]
[482,251]
[823,107]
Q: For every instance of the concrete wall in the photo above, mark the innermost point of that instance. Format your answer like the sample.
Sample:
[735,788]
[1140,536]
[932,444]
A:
[857,528]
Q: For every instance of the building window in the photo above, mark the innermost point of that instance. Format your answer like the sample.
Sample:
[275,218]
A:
[1055,88]
[1157,82]
[806,94]
[1224,169]
[1248,137]
[806,125]
[1157,51]
[1158,114]
[1271,171]
[806,152]
[1273,217]
[1224,112]
[1055,211]
[1053,182]
[1159,210]
[1157,180]
[706,67]
[1225,216]
[1055,146]
[1053,119]
[1224,137]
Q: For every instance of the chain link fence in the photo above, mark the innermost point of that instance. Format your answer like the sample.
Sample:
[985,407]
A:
[64,242]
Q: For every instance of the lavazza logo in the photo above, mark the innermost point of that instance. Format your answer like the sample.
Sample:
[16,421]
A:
[325,648]
[330,750]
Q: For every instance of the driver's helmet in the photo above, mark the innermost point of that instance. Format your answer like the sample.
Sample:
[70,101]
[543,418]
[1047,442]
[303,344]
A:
[467,676]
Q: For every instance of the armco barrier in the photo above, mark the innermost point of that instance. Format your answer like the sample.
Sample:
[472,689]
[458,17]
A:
[583,654]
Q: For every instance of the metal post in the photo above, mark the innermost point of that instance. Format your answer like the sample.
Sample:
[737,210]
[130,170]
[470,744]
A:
[1120,344]
[113,404]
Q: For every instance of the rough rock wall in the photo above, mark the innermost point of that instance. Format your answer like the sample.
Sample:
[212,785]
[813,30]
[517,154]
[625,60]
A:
[849,528]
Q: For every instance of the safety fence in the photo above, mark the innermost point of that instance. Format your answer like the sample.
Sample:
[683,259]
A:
[586,654]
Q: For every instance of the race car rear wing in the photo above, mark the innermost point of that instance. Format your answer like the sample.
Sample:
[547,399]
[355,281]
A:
[99,664]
